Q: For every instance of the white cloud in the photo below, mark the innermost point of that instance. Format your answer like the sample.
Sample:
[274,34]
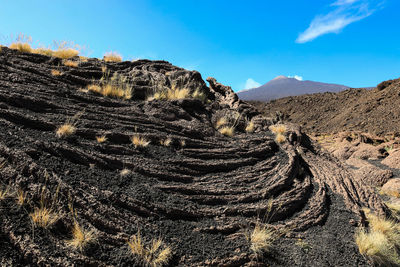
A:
[344,13]
[297,77]
[250,83]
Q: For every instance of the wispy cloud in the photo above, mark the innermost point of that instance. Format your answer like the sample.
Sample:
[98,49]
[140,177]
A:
[297,77]
[342,13]
[250,83]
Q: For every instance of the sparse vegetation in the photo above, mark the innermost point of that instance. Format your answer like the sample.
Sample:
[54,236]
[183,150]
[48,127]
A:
[65,130]
[22,47]
[4,193]
[381,242]
[139,141]
[166,141]
[21,197]
[156,254]
[125,172]
[71,63]
[198,94]
[80,237]
[278,129]
[173,93]
[56,73]
[101,139]
[261,238]
[227,130]
[112,57]
[115,86]
[249,127]
[182,143]
[280,138]
[221,122]
[44,217]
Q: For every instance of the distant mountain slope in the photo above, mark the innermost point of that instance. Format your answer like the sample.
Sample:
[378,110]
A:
[283,86]
[375,111]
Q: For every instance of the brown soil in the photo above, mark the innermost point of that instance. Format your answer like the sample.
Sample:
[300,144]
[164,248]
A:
[200,198]
[373,111]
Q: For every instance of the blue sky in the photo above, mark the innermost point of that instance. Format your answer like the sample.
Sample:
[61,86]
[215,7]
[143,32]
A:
[240,43]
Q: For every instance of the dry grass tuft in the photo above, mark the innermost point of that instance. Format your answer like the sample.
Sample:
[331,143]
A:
[56,73]
[65,130]
[139,141]
[155,255]
[22,47]
[124,172]
[182,143]
[221,122]
[71,63]
[280,138]
[112,57]
[101,139]
[21,197]
[80,237]
[199,95]
[66,53]
[171,94]
[43,51]
[250,127]
[115,86]
[44,217]
[227,131]
[4,193]
[381,242]
[261,239]
[278,129]
[166,141]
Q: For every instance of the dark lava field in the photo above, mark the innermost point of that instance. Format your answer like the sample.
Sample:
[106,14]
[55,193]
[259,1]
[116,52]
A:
[200,193]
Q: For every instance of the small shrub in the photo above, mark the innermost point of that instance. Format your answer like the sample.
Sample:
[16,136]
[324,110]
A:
[71,63]
[139,141]
[80,237]
[156,254]
[112,57]
[280,138]
[101,139]
[199,95]
[56,73]
[65,130]
[227,131]
[44,217]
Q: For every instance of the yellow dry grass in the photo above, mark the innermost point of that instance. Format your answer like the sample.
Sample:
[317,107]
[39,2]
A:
[227,130]
[125,172]
[56,73]
[43,51]
[112,57]
[139,141]
[21,197]
[71,63]
[261,239]
[280,138]
[22,47]
[101,139]
[221,122]
[65,53]
[199,95]
[171,94]
[115,86]
[65,130]
[381,242]
[4,193]
[250,127]
[80,237]
[278,129]
[156,254]
[166,141]
[44,217]
[182,143]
